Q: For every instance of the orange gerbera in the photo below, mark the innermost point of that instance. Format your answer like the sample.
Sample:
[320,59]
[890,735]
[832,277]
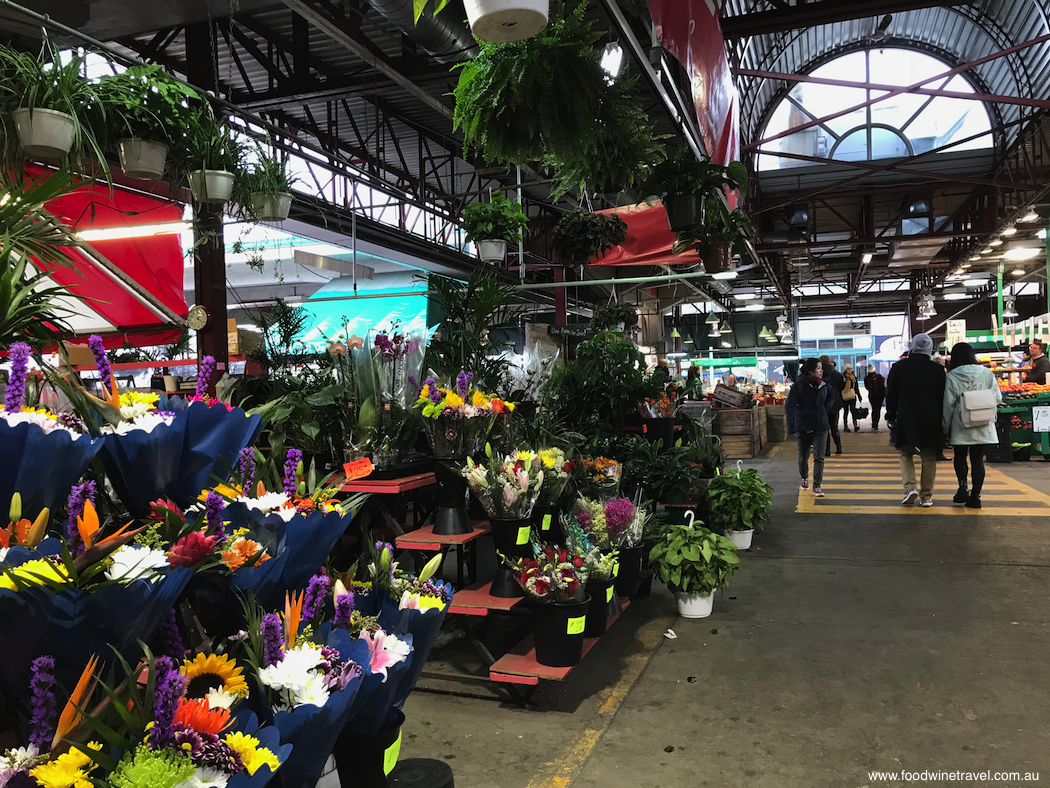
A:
[196,714]
[241,551]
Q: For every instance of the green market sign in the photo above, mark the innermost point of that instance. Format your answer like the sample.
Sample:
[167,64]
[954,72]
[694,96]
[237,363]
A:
[723,363]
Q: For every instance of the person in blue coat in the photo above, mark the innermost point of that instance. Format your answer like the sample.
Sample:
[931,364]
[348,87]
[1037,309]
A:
[969,442]
[809,409]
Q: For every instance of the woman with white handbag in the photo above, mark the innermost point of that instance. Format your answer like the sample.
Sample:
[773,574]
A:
[971,396]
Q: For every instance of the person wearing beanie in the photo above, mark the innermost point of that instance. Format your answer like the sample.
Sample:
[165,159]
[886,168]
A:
[914,396]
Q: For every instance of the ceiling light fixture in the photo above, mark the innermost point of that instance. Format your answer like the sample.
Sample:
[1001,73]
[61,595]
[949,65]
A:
[726,328]
[1010,231]
[133,231]
[726,343]
[744,296]
[714,333]
[675,334]
[1022,253]
[866,258]
[612,59]
[1009,306]
[976,282]
[1018,272]
[712,319]
[724,275]
[996,242]
[1031,216]
[975,257]
[987,250]
[758,306]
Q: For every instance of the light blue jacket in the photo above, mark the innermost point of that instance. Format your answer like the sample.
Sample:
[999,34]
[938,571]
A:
[969,377]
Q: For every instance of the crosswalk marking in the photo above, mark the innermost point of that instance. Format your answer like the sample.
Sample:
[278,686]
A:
[871,484]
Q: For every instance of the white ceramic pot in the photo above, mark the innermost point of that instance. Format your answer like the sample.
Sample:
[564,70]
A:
[45,133]
[501,21]
[271,207]
[742,539]
[492,251]
[171,383]
[142,158]
[215,186]
[694,605]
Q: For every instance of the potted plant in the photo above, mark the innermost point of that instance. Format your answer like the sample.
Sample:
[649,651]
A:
[507,488]
[739,502]
[722,236]
[659,417]
[150,112]
[212,158]
[671,478]
[499,21]
[493,225]
[693,562]
[615,317]
[554,582]
[689,186]
[579,237]
[265,189]
[52,103]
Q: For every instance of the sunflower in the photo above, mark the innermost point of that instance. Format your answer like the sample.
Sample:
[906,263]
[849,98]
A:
[207,672]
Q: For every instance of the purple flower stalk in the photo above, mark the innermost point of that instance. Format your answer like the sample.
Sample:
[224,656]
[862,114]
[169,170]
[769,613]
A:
[246,468]
[16,383]
[291,465]
[42,691]
[78,498]
[462,383]
[213,506]
[316,595]
[169,639]
[101,360]
[170,687]
[344,609]
[204,373]
[273,640]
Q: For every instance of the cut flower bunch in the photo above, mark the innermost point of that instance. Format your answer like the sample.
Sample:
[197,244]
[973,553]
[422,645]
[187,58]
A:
[553,576]
[506,486]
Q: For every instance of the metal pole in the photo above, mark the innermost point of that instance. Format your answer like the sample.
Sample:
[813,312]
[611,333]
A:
[999,296]
[625,281]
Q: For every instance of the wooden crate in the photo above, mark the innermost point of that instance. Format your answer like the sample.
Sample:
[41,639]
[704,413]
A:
[736,422]
[763,427]
[731,397]
[740,447]
[776,423]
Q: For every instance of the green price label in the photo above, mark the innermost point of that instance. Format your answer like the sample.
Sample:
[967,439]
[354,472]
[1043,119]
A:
[616,569]
[576,625]
[523,534]
[608,594]
[391,755]
[546,522]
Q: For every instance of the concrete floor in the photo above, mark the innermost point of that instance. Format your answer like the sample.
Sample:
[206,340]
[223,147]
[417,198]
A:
[845,644]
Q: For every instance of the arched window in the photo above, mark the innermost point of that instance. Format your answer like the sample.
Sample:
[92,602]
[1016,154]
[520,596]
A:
[903,125]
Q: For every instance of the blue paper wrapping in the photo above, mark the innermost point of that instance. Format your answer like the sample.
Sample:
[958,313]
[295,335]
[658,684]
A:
[423,627]
[75,623]
[144,466]
[312,730]
[214,439]
[298,548]
[269,737]
[41,466]
[378,711]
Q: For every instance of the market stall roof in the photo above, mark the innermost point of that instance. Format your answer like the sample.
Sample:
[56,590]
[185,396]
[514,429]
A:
[128,289]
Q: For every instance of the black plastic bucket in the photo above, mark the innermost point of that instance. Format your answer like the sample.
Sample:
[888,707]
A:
[558,632]
[659,430]
[365,760]
[630,575]
[451,516]
[602,594]
[512,539]
[546,519]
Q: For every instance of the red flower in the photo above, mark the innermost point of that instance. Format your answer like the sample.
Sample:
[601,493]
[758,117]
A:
[563,556]
[569,466]
[572,587]
[543,586]
[577,562]
[158,508]
[191,549]
[549,552]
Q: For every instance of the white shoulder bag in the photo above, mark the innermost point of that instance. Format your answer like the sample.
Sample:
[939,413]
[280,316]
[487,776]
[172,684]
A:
[978,408]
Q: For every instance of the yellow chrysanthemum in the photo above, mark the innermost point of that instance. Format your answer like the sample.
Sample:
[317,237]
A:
[548,457]
[480,400]
[69,770]
[33,573]
[213,671]
[225,490]
[138,398]
[252,755]
[453,400]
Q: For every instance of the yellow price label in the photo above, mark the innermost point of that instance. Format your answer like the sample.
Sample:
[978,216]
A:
[523,534]
[546,522]
[608,594]
[393,752]
[576,625]
[616,569]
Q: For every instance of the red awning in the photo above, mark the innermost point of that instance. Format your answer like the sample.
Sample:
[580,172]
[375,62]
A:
[112,307]
[649,239]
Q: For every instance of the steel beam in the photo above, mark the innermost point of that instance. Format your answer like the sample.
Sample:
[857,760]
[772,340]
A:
[812,14]
[872,240]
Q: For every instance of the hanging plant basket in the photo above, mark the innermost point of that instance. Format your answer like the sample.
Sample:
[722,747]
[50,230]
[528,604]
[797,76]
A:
[685,211]
[142,158]
[271,207]
[212,186]
[492,251]
[44,133]
[503,21]
[718,256]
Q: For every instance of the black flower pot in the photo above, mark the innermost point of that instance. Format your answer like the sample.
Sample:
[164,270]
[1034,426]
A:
[546,519]
[451,517]
[685,211]
[512,539]
[558,630]
[601,593]
[365,760]
[630,576]
[661,429]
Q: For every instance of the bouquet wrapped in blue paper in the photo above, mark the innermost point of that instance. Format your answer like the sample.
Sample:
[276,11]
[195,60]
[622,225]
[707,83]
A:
[215,436]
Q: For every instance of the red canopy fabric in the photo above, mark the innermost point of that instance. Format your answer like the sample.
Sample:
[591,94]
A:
[155,262]
[649,239]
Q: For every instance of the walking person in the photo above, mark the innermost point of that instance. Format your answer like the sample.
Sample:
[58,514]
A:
[876,387]
[971,396]
[850,398]
[833,379]
[914,396]
[810,404]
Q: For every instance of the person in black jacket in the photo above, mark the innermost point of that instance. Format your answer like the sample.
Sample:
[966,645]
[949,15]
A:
[876,387]
[810,404]
[835,382]
[1040,363]
[914,395]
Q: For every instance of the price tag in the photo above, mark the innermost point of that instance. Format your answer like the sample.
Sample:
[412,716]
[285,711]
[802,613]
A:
[608,594]
[576,625]
[645,428]
[357,469]
[616,569]
[523,534]
[1040,418]
[391,755]
[546,522]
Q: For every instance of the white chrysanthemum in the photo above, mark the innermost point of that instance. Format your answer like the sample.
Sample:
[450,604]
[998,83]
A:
[314,692]
[133,411]
[135,562]
[206,777]
[147,422]
[19,758]
[293,673]
[220,699]
[46,422]
[268,503]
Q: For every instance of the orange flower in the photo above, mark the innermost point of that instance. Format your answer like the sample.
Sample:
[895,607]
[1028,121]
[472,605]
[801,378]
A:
[197,715]
[242,550]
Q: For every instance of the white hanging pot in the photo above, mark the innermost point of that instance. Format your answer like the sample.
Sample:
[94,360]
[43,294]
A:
[271,207]
[492,251]
[142,158]
[44,133]
[214,186]
[502,21]
[742,539]
[694,605]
